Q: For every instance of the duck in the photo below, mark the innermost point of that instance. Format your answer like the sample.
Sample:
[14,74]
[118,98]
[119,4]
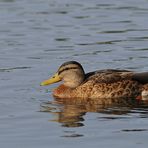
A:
[98,85]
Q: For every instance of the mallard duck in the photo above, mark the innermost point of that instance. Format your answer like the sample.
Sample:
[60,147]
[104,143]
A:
[109,83]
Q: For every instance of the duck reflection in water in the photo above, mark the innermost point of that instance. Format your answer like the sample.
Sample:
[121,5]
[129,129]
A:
[71,112]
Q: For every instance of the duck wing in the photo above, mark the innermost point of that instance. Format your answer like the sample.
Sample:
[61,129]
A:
[113,75]
[108,76]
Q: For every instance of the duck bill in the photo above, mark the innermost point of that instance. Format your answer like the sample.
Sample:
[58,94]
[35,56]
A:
[55,78]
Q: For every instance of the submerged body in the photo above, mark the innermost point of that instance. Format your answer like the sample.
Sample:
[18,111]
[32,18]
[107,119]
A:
[102,84]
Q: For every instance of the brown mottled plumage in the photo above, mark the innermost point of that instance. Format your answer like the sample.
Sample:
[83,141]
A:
[102,84]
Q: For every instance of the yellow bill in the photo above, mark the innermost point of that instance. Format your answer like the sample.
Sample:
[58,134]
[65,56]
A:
[55,78]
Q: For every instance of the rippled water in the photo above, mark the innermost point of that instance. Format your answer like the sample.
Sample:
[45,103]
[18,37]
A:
[36,36]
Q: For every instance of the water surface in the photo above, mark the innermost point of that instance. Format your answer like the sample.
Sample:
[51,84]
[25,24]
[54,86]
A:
[36,36]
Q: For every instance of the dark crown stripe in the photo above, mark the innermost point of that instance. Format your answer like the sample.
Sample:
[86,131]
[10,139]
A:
[71,62]
[65,69]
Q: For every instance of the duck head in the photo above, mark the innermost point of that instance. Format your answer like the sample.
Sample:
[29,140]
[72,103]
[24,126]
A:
[71,73]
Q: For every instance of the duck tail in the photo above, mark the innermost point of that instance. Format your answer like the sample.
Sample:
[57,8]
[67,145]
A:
[141,77]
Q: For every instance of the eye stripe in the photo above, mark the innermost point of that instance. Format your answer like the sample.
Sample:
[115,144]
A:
[65,69]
